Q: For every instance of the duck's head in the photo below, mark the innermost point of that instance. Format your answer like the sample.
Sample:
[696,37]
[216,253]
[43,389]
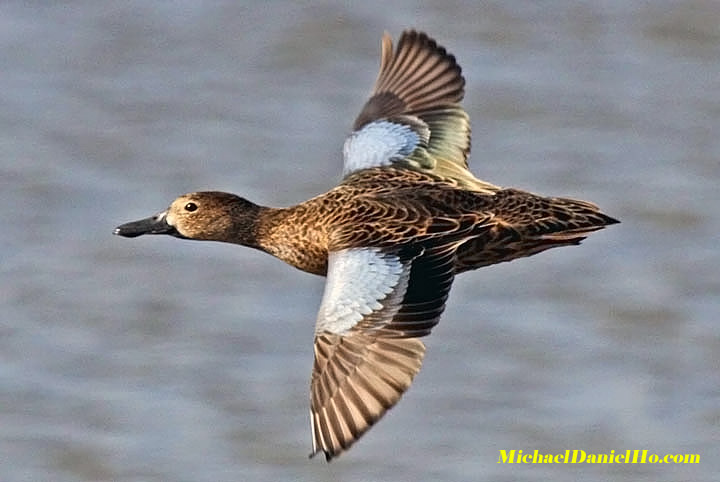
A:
[209,216]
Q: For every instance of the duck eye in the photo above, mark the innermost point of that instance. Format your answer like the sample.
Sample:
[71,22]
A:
[191,207]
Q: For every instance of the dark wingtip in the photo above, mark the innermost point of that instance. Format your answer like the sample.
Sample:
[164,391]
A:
[328,455]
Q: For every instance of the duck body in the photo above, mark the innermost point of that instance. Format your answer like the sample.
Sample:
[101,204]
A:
[381,208]
[407,217]
[384,207]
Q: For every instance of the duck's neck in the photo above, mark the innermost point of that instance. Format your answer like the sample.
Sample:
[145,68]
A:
[238,223]
[292,235]
[248,225]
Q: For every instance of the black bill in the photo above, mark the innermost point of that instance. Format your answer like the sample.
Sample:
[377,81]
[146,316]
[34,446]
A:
[153,225]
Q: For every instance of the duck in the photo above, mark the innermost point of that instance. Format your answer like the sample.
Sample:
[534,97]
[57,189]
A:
[407,217]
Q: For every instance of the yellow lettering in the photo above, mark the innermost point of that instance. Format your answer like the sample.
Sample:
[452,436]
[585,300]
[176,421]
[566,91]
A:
[583,455]
[579,456]
[537,458]
[505,459]
[692,458]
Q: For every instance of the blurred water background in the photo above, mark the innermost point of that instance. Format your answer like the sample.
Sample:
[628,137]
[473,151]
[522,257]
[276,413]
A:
[160,360]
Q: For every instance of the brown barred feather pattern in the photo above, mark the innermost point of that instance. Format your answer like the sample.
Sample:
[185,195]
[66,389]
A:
[405,220]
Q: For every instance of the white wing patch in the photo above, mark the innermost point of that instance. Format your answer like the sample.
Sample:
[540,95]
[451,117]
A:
[358,281]
[378,144]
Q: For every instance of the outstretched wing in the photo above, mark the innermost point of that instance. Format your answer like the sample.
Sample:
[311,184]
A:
[377,303]
[413,118]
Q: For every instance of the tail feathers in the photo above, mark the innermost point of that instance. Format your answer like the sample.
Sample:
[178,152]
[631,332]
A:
[570,234]
[527,224]
[533,216]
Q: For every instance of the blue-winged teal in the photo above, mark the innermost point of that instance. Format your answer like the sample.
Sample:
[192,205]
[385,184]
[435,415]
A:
[407,217]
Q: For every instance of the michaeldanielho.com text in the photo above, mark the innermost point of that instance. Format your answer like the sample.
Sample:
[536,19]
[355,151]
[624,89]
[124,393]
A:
[579,456]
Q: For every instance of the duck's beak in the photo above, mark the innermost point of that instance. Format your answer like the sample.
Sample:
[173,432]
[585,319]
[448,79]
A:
[153,225]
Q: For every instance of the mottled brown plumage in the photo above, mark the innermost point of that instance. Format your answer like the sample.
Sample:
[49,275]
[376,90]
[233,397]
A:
[407,217]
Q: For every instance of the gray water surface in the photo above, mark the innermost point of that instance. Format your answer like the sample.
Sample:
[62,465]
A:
[163,360]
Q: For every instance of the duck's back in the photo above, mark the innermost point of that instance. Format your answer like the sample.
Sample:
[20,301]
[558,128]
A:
[380,207]
[385,207]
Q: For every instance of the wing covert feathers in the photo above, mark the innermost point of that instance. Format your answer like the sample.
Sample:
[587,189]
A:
[421,85]
[360,374]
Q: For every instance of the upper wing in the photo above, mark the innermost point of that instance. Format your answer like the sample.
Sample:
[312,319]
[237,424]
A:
[413,118]
[377,302]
